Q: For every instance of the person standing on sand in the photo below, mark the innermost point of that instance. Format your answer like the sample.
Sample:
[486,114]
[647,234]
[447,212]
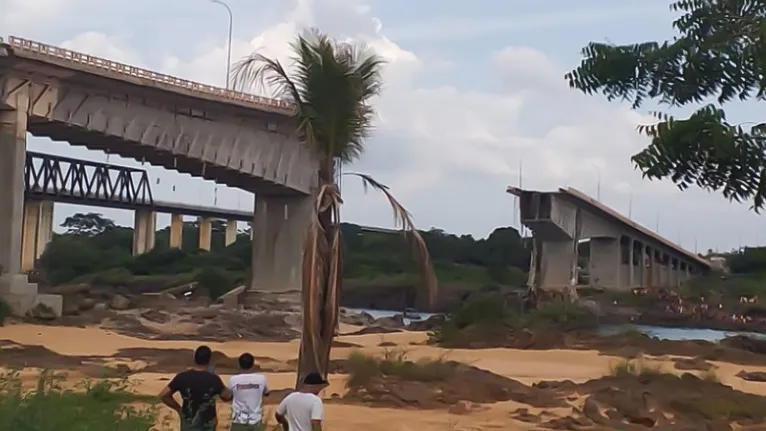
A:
[303,410]
[248,389]
[198,387]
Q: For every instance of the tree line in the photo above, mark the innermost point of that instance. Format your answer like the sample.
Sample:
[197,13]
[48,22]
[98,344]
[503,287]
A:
[93,244]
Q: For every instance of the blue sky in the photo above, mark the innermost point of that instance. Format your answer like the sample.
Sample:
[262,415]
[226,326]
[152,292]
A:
[471,93]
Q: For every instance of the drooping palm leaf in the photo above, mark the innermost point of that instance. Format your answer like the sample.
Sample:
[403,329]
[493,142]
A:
[403,220]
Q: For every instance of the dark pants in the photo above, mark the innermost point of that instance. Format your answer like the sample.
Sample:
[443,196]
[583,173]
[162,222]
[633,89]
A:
[195,427]
[244,427]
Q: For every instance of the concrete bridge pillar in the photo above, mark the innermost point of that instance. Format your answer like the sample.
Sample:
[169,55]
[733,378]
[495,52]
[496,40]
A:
[631,263]
[144,229]
[176,230]
[605,260]
[15,288]
[231,232]
[205,232]
[37,232]
[556,264]
[279,228]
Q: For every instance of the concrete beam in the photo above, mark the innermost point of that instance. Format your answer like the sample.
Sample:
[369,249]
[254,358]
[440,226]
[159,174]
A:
[205,233]
[231,232]
[176,230]
[144,230]
[279,229]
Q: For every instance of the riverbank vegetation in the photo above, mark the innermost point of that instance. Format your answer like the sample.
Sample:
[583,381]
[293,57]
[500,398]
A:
[95,250]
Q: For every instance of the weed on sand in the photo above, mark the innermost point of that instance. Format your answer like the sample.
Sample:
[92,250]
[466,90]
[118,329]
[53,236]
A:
[94,406]
[362,368]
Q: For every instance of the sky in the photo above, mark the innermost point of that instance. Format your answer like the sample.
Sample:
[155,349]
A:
[473,95]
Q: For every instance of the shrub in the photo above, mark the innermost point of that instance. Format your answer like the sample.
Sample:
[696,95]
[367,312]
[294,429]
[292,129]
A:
[94,407]
[216,281]
[362,368]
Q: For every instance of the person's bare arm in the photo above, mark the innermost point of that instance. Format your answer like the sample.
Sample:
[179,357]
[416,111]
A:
[224,392]
[279,415]
[166,396]
[317,414]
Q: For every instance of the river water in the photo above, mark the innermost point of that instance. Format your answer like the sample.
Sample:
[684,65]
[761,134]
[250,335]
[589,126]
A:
[663,333]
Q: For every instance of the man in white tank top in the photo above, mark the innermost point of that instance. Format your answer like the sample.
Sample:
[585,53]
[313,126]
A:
[303,410]
[248,390]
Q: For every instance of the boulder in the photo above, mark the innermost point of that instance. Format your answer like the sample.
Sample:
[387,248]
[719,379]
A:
[86,304]
[42,312]
[393,322]
[358,319]
[119,302]
[433,322]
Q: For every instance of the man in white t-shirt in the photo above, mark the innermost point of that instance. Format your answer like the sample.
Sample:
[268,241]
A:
[303,410]
[248,390]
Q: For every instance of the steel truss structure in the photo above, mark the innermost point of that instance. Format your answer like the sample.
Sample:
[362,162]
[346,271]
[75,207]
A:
[84,181]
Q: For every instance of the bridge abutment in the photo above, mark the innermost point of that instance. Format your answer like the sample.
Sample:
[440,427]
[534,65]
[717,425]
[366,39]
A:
[37,232]
[144,230]
[278,230]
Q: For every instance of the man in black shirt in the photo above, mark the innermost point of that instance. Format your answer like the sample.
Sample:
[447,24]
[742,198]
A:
[198,388]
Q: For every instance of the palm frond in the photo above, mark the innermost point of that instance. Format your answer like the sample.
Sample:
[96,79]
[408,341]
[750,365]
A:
[403,220]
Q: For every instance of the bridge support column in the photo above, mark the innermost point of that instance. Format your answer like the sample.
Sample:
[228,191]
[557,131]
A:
[176,230]
[205,232]
[144,229]
[37,232]
[631,263]
[556,264]
[231,232]
[605,260]
[15,288]
[279,227]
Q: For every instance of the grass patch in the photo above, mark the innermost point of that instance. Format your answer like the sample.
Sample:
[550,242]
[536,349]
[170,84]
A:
[709,376]
[93,406]
[363,369]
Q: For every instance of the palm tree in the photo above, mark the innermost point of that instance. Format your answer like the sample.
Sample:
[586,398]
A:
[331,85]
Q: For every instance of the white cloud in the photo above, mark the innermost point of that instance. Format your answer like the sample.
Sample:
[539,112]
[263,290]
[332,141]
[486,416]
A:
[447,150]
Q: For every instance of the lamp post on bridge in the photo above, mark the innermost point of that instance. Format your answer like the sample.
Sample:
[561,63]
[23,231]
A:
[228,50]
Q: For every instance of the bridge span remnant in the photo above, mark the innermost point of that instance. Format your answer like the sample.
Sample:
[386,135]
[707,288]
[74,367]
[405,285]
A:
[236,139]
[623,254]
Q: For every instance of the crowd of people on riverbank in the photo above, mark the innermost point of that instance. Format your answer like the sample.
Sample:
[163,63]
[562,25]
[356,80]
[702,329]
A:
[703,308]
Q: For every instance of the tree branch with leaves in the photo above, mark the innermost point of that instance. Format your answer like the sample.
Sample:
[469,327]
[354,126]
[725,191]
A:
[719,56]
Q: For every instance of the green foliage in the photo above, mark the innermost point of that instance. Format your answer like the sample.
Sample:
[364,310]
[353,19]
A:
[749,260]
[492,317]
[93,407]
[104,257]
[719,53]
[216,281]
[363,369]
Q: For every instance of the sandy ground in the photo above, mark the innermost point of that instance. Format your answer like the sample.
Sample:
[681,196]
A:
[524,365]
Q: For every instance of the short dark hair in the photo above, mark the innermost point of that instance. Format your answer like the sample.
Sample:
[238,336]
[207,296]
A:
[203,355]
[246,361]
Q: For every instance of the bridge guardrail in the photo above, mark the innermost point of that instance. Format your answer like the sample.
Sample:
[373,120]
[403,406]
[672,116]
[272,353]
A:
[137,72]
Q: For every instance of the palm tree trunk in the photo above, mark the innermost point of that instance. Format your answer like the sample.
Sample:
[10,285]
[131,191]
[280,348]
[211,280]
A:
[320,325]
